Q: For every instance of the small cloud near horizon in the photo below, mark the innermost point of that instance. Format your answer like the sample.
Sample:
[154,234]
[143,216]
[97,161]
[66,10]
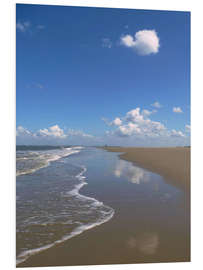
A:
[177,110]
[156,104]
[53,134]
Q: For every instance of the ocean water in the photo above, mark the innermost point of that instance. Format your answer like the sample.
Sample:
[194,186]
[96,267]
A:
[49,206]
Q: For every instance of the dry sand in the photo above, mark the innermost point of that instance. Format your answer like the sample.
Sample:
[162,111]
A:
[173,163]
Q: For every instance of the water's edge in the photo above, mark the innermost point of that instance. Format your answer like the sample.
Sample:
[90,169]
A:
[78,230]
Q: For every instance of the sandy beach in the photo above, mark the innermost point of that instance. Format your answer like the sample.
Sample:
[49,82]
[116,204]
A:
[173,163]
[151,221]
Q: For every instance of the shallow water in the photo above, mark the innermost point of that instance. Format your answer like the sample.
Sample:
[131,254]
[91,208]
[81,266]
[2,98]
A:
[51,209]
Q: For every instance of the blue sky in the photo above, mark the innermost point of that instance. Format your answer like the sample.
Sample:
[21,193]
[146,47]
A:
[102,76]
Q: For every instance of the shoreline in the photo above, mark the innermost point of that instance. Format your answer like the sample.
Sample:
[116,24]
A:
[114,241]
[173,163]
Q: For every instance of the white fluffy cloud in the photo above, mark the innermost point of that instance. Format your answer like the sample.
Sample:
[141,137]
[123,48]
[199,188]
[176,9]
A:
[128,130]
[52,135]
[134,116]
[144,42]
[175,133]
[117,121]
[54,131]
[177,110]
[127,41]
[156,104]
[21,131]
[137,124]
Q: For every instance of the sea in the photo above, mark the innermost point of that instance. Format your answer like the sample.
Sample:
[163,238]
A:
[49,206]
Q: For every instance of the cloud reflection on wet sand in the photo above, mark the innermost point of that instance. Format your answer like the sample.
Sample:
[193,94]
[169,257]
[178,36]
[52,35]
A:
[146,243]
[134,174]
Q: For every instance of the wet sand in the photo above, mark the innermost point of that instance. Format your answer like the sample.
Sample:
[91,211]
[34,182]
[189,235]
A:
[173,163]
[143,230]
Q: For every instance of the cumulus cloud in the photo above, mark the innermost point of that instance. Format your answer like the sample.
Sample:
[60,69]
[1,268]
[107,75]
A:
[54,131]
[52,135]
[128,130]
[137,124]
[106,42]
[21,131]
[156,104]
[134,116]
[116,122]
[175,133]
[127,41]
[177,110]
[144,42]
[23,26]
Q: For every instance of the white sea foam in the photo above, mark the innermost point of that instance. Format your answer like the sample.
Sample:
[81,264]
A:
[26,254]
[105,217]
[44,158]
